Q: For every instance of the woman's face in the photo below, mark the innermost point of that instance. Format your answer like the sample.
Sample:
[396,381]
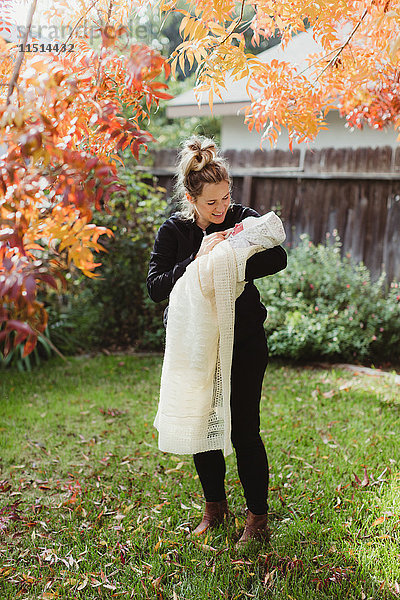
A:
[213,203]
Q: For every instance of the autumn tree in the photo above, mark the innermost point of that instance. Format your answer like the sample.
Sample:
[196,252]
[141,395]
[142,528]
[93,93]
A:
[61,127]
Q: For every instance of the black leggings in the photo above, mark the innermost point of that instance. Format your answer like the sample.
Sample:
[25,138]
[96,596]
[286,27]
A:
[249,361]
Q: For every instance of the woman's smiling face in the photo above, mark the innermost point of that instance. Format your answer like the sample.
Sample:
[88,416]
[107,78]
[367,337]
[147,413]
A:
[212,204]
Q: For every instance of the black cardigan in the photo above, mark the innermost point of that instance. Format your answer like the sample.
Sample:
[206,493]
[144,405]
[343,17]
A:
[177,242]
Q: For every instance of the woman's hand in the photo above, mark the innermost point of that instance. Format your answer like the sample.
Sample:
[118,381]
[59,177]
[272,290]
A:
[209,241]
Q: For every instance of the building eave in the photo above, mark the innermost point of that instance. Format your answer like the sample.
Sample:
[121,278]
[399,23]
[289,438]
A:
[219,109]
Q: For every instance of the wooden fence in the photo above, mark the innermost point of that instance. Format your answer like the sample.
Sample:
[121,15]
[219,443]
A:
[356,192]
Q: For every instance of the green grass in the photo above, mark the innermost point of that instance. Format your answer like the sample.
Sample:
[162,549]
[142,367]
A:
[91,509]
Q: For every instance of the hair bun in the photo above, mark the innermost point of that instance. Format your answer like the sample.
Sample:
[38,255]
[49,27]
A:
[196,154]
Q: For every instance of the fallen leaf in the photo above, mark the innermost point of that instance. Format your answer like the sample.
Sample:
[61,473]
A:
[346,386]
[365,480]
[5,486]
[207,547]
[156,582]
[83,584]
[178,466]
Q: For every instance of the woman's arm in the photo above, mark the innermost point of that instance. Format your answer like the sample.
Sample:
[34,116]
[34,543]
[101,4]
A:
[265,263]
[164,271]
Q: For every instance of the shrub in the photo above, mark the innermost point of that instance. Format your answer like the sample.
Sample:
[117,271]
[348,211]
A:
[323,306]
[113,310]
[16,359]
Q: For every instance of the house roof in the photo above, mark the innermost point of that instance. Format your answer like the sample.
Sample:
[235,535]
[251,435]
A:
[235,96]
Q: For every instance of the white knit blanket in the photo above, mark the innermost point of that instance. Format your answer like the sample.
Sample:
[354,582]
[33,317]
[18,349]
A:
[194,407]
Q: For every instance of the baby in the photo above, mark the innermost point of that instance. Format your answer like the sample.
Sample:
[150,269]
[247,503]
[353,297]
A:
[247,232]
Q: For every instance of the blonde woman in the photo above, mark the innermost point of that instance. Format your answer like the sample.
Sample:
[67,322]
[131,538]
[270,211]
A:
[206,218]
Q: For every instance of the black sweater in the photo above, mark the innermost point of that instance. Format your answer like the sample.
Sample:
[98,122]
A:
[178,241]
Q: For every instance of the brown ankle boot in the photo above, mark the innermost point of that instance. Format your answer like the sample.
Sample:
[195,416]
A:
[256,528]
[214,514]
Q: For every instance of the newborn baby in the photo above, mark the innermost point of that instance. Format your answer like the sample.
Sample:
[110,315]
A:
[247,232]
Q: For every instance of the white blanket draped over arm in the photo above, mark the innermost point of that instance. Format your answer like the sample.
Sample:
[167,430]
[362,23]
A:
[194,407]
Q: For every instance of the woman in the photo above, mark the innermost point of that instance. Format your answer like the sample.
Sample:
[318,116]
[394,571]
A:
[206,218]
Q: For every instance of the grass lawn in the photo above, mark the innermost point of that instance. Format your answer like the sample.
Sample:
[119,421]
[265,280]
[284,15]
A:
[89,507]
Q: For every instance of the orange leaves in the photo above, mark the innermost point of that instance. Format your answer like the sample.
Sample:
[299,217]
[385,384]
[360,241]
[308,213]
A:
[143,66]
[20,313]
[110,34]
[167,5]
[280,97]
[77,237]
[62,140]
[7,18]
[143,63]
[65,233]
[119,132]
[158,85]
[220,10]
[208,42]
[355,70]
[378,521]
[191,27]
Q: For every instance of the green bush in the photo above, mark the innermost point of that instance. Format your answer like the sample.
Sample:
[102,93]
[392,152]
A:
[323,306]
[113,310]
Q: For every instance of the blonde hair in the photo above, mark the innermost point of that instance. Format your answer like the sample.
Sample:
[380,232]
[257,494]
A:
[199,163]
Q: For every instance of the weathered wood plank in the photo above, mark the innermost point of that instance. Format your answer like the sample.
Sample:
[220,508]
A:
[247,187]
[287,173]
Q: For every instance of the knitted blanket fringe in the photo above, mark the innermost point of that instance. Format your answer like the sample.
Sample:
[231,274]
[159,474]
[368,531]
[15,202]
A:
[194,407]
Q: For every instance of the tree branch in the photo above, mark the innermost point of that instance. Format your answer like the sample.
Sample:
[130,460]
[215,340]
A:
[238,23]
[316,62]
[109,12]
[342,47]
[17,68]
[52,346]
[77,23]
[102,46]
